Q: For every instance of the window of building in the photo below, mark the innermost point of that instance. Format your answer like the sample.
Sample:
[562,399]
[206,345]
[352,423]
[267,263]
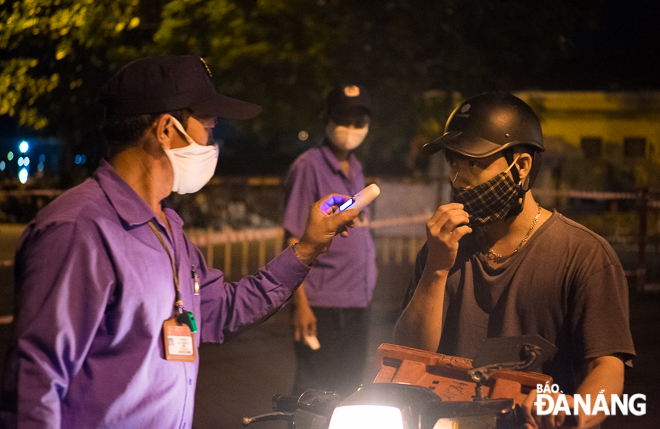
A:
[634,147]
[592,147]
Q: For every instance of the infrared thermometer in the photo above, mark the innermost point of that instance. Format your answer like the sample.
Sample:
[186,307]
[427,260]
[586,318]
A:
[362,198]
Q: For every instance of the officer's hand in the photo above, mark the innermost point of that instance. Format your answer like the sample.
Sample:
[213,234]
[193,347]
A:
[443,231]
[304,321]
[323,223]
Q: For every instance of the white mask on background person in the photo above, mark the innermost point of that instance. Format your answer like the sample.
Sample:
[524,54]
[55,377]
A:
[344,137]
[193,165]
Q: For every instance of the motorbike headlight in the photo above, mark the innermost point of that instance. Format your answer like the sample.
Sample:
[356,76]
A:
[362,416]
[446,424]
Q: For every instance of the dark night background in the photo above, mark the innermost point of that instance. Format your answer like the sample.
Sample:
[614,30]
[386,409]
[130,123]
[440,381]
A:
[614,48]
[621,53]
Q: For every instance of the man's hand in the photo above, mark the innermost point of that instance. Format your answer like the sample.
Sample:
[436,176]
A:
[548,421]
[420,323]
[604,376]
[323,223]
[443,232]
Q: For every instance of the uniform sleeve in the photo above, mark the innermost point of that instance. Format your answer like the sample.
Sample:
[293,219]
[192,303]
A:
[301,192]
[63,288]
[599,310]
[230,308]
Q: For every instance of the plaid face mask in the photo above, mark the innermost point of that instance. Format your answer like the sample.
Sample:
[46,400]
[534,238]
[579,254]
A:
[492,200]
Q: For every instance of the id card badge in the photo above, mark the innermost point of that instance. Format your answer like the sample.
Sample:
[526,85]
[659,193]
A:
[179,342]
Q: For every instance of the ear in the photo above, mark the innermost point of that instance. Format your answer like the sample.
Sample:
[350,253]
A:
[524,164]
[164,131]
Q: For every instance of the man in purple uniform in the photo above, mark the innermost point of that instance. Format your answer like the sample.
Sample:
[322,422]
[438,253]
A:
[332,303]
[113,300]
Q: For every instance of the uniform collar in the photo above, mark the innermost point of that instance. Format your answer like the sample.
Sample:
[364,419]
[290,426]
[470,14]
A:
[128,204]
[354,165]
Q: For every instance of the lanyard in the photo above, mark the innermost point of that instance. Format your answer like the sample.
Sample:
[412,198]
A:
[175,272]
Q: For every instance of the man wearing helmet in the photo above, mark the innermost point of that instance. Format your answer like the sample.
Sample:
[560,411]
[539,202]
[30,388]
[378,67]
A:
[496,264]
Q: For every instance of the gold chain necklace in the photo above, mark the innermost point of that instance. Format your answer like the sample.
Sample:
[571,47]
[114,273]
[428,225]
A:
[497,258]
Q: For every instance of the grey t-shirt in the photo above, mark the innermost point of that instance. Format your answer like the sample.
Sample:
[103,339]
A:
[566,285]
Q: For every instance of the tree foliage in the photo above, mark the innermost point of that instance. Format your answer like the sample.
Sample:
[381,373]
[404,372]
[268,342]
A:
[283,54]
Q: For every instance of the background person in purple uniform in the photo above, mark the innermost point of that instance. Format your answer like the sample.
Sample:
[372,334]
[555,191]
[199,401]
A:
[113,300]
[332,302]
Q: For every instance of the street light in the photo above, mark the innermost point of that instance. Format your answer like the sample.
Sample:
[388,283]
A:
[23,175]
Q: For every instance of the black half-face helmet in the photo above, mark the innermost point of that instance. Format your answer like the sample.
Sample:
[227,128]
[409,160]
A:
[489,123]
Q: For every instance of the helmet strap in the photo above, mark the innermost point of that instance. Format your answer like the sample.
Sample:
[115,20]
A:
[516,209]
[536,165]
[508,156]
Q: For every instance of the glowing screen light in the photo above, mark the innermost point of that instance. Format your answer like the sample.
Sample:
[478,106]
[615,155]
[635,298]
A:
[23,146]
[366,416]
[23,175]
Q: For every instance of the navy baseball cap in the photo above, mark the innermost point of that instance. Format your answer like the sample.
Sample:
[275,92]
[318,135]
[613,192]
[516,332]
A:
[168,83]
[345,98]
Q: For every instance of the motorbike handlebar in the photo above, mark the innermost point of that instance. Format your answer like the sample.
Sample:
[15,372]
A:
[286,403]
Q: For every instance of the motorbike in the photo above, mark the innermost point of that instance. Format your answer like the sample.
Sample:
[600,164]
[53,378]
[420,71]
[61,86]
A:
[423,390]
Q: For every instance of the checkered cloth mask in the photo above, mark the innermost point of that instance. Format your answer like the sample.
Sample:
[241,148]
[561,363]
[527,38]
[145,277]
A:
[490,201]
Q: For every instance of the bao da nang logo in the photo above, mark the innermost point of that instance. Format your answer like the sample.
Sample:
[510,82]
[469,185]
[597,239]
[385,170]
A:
[587,404]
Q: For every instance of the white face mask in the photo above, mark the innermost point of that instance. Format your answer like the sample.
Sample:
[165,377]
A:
[344,137]
[193,165]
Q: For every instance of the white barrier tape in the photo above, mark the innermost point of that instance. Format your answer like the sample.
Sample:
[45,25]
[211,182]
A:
[32,192]
[205,238]
[274,181]
[400,220]
[587,195]
[201,238]
[637,272]
[615,239]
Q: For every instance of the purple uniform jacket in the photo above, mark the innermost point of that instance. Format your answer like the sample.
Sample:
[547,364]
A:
[94,287]
[345,276]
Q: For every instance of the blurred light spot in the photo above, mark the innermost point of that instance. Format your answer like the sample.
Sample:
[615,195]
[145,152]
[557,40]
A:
[77,160]
[24,146]
[302,136]
[42,158]
[26,161]
[23,175]
[40,166]
[2,166]
[83,159]
[20,161]
[10,155]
